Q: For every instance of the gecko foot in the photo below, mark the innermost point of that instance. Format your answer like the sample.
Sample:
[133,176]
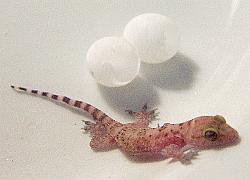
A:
[154,114]
[144,110]
[184,154]
[188,153]
[150,115]
[88,126]
[130,112]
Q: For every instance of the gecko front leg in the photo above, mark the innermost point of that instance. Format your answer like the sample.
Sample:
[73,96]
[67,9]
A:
[143,117]
[183,154]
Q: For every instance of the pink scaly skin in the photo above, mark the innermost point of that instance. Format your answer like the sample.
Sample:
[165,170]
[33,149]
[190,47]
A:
[177,141]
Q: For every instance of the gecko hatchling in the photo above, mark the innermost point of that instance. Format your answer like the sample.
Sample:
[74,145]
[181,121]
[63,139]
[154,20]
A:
[177,141]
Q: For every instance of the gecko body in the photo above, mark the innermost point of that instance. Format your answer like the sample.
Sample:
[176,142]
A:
[178,141]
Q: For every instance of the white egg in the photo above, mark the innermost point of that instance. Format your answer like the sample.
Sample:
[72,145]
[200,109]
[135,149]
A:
[155,37]
[113,61]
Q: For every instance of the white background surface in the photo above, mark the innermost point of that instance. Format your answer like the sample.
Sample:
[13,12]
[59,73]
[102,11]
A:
[43,45]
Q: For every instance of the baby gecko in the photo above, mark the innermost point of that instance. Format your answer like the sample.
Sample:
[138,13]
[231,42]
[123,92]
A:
[177,141]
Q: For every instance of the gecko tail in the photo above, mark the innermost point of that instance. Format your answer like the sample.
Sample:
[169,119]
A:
[94,112]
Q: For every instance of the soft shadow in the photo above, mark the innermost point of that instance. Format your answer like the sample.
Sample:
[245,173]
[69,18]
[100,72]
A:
[151,158]
[178,73]
[144,159]
[132,96]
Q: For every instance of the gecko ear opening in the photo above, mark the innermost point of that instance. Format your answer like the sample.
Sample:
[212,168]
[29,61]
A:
[220,119]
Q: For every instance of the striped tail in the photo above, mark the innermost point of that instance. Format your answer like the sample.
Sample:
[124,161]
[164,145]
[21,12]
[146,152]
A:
[97,114]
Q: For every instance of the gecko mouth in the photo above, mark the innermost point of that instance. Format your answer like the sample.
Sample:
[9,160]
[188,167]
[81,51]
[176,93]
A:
[234,139]
[231,140]
[232,143]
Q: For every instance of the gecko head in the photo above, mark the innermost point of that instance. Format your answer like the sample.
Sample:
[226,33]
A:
[212,132]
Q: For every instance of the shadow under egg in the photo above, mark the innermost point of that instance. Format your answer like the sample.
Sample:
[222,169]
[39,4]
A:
[132,96]
[177,73]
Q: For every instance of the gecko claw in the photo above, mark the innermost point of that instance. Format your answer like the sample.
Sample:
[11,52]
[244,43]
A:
[144,110]
[154,114]
[130,112]
[145,107]
[85,129]
[88,122]
[88,126]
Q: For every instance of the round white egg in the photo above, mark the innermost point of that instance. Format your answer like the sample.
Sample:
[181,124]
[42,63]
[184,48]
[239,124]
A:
[155,37]
[113,61]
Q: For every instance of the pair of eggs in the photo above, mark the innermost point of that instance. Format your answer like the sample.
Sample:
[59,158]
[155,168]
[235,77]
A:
[150,38]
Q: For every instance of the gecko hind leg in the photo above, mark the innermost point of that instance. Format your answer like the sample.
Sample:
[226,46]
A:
[103,143]
[94,128]
[101,140]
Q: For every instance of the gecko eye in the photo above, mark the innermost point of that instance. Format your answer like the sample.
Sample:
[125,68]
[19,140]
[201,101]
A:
[211,134]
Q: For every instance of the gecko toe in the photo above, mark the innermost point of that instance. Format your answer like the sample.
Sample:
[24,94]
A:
[130,112]
[88,126]
[88,122]
[145,107]
[189,152]
[154,114]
